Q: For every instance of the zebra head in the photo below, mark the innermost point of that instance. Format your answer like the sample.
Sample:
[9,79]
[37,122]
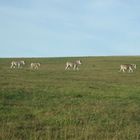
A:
[22,62]
[78,62]
[134,66]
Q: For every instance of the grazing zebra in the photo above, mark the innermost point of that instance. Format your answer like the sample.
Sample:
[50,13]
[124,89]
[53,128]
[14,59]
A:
[17,64]
[73,65]
[35,66]
[127,67]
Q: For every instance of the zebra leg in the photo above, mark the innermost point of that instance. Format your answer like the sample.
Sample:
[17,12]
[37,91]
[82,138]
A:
[11,66]
[77,68]
[74,67]
[66,67]
[130,69]
[120,70]
[18,65]
[123,70]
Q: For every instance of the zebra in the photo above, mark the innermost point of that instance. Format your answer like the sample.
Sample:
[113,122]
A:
[73,65]
[127,67]
[17,64]
[35,65]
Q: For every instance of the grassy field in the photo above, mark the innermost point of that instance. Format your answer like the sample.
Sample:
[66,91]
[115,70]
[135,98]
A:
[95,103]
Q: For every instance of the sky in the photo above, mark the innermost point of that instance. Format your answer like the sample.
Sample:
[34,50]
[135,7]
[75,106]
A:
[59,28]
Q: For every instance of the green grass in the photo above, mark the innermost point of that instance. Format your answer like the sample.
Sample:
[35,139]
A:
[95,103]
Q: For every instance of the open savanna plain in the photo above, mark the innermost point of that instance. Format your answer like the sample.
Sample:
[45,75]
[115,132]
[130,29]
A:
[95,103]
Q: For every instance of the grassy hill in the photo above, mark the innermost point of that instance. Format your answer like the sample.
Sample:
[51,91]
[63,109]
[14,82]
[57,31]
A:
[95,103]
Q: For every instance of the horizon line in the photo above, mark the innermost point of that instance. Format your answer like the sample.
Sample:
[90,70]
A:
[8,57]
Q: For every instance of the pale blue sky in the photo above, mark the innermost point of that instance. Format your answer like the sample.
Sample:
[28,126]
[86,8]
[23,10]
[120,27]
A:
[53,28]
